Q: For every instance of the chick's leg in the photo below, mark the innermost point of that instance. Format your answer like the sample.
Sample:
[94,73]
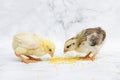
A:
[22,58]
[87,57]
[32,58]
[93,57]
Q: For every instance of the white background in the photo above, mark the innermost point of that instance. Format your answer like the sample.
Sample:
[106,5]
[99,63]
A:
[59,20]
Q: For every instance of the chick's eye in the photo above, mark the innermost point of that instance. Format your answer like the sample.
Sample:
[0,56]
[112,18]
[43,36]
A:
[67,47]
[50,50]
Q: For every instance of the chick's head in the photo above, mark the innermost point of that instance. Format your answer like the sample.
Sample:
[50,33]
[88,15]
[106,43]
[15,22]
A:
[70,45]
[49,47]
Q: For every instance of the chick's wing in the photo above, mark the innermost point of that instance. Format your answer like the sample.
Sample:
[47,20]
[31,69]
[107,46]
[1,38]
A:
[80,37]
[26,40]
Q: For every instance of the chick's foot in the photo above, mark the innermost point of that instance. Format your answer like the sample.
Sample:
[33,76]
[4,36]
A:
[32,58]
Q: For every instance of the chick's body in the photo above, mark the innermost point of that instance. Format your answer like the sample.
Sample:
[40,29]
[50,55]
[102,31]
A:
[87,41]
[28,44]
[31,44]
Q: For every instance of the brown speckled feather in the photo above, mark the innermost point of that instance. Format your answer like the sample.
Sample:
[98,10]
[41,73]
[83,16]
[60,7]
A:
[82,36]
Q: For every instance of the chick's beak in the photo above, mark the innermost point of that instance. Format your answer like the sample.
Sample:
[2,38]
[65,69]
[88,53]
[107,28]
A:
[65,51]
[51,54]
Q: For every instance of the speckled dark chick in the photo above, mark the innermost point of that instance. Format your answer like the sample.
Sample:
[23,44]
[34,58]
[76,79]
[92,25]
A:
[87,41]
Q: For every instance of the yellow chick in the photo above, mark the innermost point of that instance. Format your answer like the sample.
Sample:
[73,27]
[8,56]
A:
[29,45]
[87,41]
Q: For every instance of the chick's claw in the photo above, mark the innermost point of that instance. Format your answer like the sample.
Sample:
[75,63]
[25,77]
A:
[32,58]
[29,61]
[85,58]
